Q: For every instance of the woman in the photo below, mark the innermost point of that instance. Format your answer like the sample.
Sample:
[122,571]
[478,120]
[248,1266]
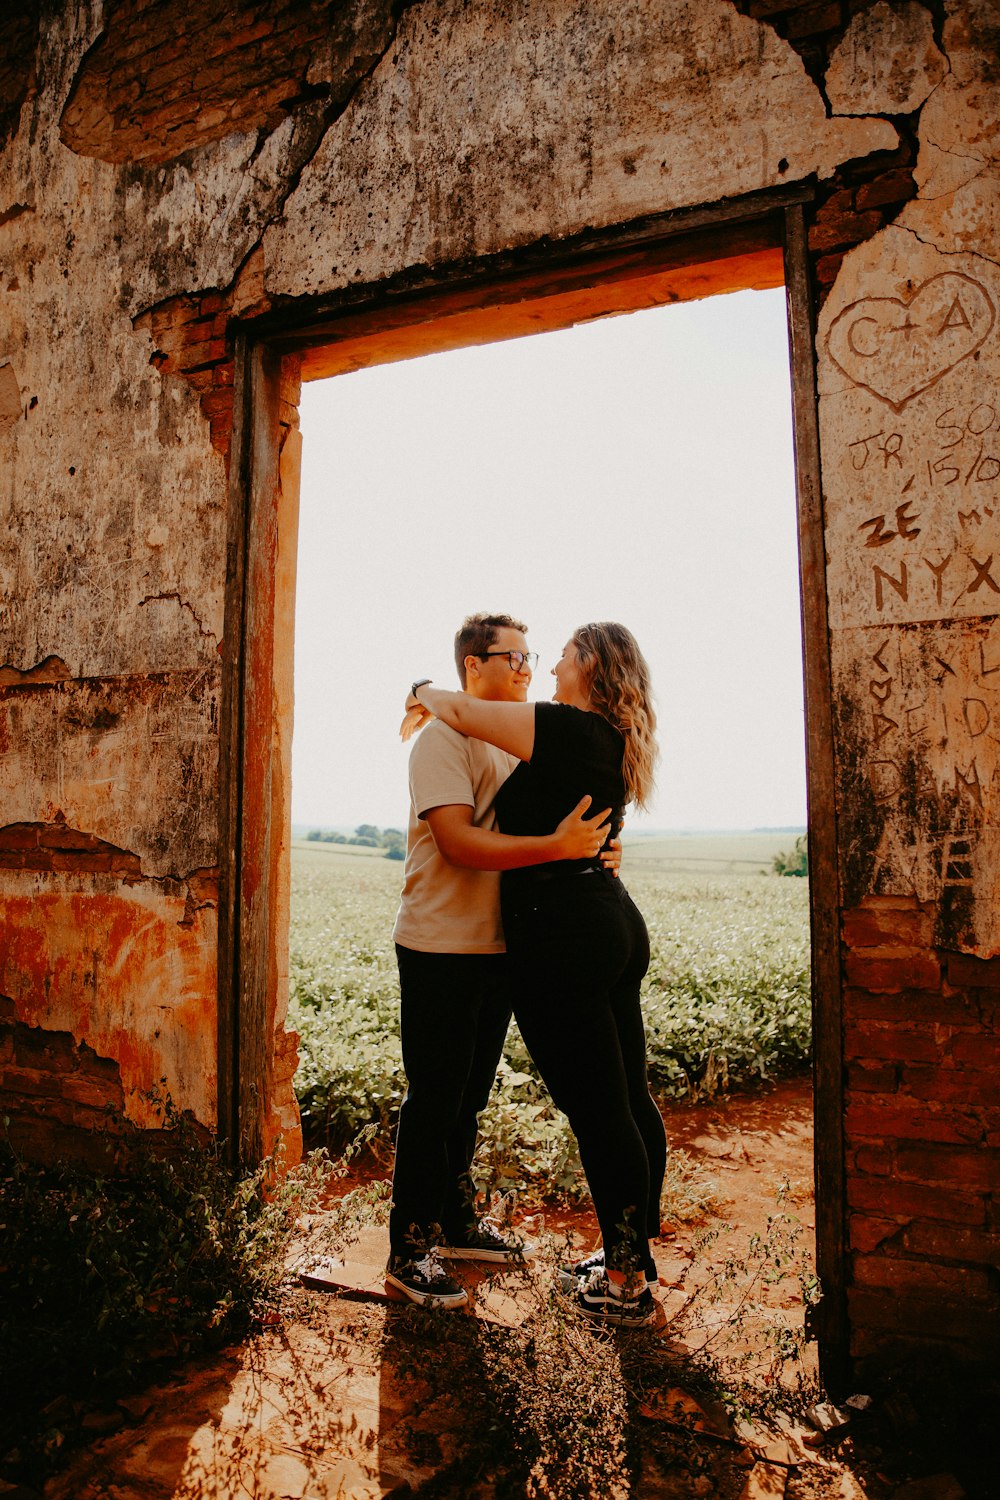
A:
[577,943]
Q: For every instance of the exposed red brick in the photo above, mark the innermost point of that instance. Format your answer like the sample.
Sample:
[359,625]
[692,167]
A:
[843,229]
[874,1161]
[891,187]
[827,268]
[169,75]
[60,859]
[41,1050]
[190,336]
[66,1086]
[949,1165]
[889,974]
[809,19]
[19,836]
[56,846]
[949,1242]
[976,1047]
[972,1325]
[866,1233]
[868,1077]
[889,921]
[38,1139]
[966,972]
[952,1085]
[959,1282]
[895,1118]
[840,202]
[898,1043]
[908,1200]
[914,1006]
[200,348]
[59,836]
[218,403]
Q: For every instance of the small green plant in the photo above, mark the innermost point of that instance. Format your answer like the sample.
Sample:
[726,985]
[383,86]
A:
[794,861]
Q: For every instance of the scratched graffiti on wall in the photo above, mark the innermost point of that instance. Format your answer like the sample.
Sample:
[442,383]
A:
[913,542]
[919,709]
[915,523]
[897,347]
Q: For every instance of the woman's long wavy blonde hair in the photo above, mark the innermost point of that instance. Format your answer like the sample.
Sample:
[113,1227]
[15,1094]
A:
[617,678]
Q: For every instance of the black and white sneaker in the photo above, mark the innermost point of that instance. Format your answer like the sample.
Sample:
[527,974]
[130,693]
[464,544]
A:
[424,1282]
[483,1242]
[569,1276]
[603,1302]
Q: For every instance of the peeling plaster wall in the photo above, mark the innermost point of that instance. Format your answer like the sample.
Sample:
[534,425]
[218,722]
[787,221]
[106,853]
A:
[148,197]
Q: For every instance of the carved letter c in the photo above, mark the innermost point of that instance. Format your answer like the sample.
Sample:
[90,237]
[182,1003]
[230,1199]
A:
[864,353]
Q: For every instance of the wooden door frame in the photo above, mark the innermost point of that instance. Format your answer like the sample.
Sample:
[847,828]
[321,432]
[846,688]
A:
[667,257]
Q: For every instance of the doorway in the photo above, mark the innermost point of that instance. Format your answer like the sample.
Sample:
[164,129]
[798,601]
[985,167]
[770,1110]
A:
[751,245]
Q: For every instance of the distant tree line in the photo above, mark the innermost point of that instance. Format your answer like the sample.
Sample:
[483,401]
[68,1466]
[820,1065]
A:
[392,840]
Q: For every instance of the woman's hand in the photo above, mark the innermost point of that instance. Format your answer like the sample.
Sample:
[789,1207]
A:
[611,857]
[415,718]
[580,837]
[508,726]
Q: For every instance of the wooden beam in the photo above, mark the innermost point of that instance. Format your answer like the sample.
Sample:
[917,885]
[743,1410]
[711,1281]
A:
[538,302]
[256,1042]
[230,739]
[824,892]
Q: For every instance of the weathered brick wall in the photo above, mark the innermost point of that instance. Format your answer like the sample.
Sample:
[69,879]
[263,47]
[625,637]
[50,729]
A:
[63,1100]
[922,1049]
[166,169]
[168,76]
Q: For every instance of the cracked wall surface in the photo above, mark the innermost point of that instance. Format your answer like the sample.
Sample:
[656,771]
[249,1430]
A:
[168,172]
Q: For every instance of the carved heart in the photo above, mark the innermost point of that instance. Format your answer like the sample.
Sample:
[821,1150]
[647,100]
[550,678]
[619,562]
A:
[896,348]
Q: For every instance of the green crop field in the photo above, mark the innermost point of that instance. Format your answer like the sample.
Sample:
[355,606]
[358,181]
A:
[726,999]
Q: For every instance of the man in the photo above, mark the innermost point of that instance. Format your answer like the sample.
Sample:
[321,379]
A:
[454,1009]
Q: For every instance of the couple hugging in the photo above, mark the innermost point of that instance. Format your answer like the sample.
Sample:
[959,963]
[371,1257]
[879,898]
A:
[508,905]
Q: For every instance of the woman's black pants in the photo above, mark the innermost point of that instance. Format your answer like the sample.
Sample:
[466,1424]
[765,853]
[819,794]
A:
[578,950]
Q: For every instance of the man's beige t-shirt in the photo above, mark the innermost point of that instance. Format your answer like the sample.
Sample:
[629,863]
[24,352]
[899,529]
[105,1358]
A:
[445,908]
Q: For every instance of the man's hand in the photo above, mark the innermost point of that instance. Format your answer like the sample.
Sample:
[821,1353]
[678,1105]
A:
[611,857]
[580,837]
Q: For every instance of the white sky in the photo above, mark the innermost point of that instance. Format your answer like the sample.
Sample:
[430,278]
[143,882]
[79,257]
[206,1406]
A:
[638,468]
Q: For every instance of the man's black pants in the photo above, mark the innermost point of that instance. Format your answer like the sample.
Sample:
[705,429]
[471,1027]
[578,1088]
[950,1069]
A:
[454,1014]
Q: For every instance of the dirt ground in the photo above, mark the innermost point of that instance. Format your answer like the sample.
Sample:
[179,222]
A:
[350,1395]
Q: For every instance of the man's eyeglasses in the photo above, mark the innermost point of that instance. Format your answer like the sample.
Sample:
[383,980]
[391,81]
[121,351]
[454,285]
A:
[518,659]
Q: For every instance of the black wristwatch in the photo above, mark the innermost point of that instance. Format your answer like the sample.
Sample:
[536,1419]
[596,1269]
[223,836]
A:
[420,682]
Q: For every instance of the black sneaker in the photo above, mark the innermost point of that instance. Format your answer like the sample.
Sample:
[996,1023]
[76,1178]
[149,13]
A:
[569,1276]
[424,1282]
[482,1242]
[599,1300]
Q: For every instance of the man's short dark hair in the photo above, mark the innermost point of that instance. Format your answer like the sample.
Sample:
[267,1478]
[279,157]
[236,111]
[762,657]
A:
[478,633]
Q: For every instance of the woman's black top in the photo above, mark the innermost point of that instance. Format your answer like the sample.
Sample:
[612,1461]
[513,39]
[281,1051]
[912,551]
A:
[576,753]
